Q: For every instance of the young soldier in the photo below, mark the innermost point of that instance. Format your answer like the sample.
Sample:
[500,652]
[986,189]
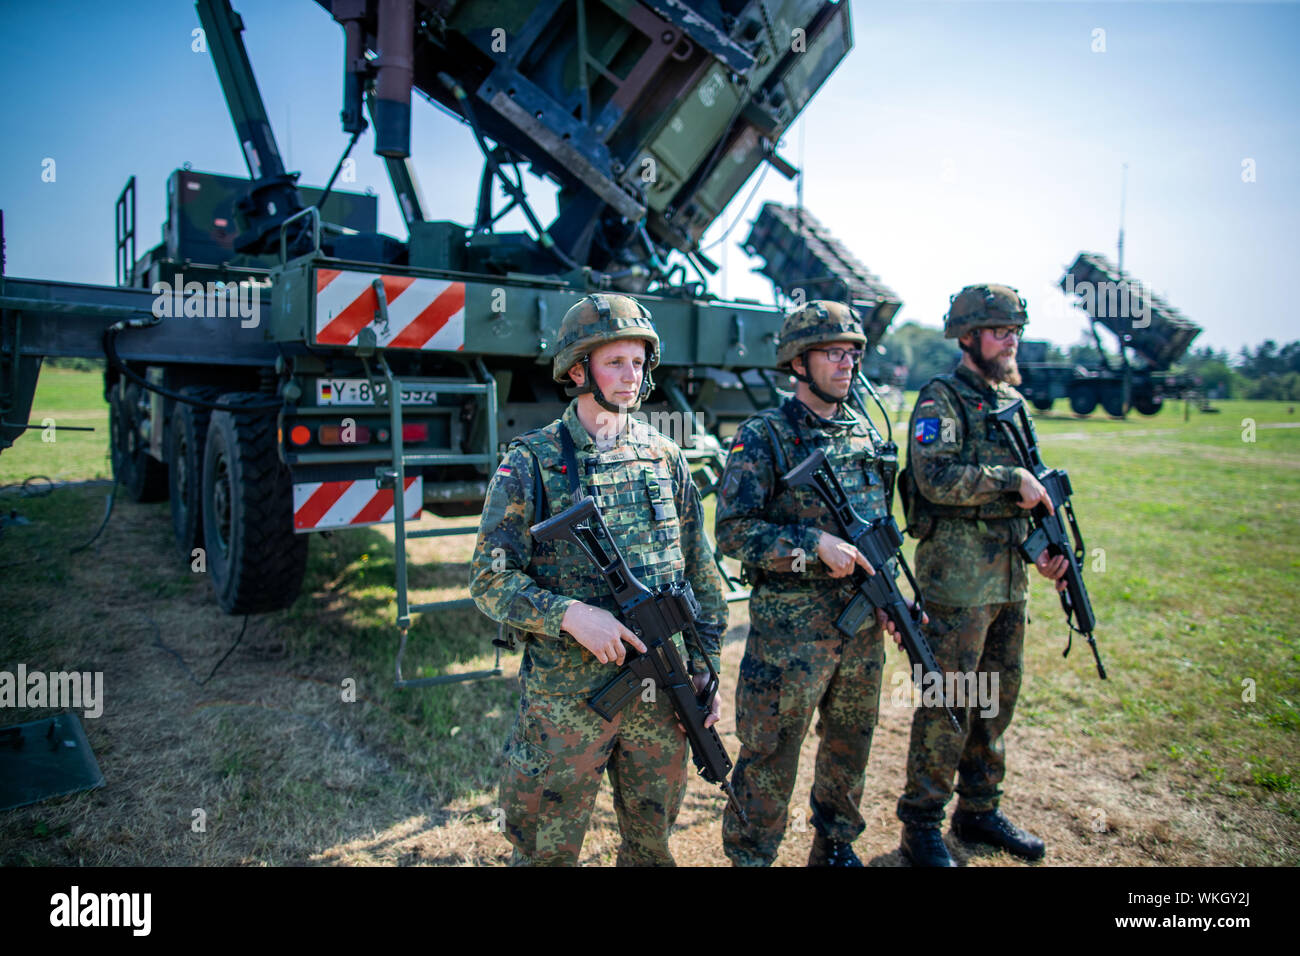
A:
[560,747]
[795,659]
[967,507]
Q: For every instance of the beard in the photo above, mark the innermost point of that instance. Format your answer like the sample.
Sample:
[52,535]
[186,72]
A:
[1001,369]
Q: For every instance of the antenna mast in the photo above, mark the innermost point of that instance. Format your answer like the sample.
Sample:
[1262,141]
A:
[1123,191]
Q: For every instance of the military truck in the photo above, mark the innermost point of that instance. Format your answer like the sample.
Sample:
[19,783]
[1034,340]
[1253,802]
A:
[276,366]
[1155,333]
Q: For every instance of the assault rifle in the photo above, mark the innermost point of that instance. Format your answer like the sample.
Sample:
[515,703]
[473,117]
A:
[879,541]
[654,617]
[1049,529]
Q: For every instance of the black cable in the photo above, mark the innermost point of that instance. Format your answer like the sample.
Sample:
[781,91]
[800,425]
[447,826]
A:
[740,215]
[158,642]
[108,513]
[49,489]
[320,203]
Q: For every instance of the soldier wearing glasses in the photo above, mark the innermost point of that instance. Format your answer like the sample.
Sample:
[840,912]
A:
[795,660]
[967,502]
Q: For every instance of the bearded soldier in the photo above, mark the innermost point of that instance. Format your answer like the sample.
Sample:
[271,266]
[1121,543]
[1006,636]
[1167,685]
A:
[560,604]
[967,502]
[795,659]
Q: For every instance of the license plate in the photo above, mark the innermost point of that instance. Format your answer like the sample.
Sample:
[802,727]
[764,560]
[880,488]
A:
[358,391]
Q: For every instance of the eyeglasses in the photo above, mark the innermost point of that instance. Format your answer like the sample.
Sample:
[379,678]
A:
[837,354]
[1003,332]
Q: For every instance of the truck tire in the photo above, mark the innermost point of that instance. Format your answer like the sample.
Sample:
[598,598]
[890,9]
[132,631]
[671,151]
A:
[1148,404]
[1043,404]
[255,559]
[1113,401]
[143,476]
[187,436]
[1083,400]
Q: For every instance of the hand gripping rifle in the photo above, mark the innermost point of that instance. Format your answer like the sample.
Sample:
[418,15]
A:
[1049,529]
[654,617]
[879,541]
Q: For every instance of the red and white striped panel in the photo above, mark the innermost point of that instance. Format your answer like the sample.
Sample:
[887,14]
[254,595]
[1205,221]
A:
[318,505]
[422,313]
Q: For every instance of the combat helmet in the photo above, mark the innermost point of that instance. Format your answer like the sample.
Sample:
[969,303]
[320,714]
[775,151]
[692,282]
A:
[817,322]
[596,319]
[984,306]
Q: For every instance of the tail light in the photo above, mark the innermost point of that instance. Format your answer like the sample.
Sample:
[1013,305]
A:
[343,435]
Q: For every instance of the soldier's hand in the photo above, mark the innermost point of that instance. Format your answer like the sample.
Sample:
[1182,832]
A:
[1032,491]
[891,629]
[599,632]
[1053,568]
[884,621]
[840,556]
[701,681]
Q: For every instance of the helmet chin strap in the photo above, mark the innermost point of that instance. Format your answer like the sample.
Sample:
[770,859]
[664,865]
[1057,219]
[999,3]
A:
[825,396]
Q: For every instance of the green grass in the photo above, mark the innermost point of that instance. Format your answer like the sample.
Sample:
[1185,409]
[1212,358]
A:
[70,398]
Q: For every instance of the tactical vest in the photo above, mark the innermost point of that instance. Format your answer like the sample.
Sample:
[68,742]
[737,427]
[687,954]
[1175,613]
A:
[866,476]
[635,488]
[983,443]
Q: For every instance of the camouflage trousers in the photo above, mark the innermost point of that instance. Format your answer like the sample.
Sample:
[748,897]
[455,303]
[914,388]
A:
[988,639]
[555,759]
[797,662]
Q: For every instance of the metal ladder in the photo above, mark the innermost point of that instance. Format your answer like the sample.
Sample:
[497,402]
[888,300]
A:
[394,477]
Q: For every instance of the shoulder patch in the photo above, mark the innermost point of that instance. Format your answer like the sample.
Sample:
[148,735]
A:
[926,431]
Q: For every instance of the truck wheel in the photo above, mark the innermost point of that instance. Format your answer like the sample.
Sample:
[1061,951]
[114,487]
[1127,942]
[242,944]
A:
[187,435]
[1113,402]
[255,559]
[1148,404]
[143,476]
[1083,400]
[1043,404]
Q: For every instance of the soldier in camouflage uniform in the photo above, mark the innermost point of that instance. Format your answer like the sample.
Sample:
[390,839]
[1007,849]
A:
[795,659]
[553,597]
[967,499]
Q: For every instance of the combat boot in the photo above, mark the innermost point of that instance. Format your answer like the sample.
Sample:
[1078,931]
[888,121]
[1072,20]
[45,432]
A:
[994,829]
[832,853]
[924,846]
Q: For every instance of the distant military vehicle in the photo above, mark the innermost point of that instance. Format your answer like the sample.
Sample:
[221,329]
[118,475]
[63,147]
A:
[1144,325]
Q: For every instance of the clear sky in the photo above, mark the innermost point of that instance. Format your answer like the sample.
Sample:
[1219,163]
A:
[959,142]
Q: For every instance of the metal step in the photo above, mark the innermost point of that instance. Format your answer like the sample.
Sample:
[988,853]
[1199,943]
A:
[486,387]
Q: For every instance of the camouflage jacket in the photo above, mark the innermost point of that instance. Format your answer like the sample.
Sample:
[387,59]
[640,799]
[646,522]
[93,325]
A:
[965,513]
[644,490]
[773,530]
